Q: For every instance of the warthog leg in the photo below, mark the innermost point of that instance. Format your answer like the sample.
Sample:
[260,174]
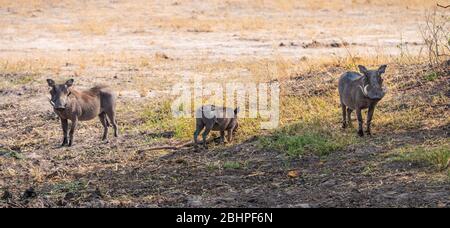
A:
[198,129]
[112,119]
[72,130]
[230,135]
[222,136]
[65,127]
[208,129]
[369,118]
[344,116]
[105,124]
[360,122]
[349,117]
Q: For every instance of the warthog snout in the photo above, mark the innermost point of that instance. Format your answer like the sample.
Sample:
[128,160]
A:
[57,105]
[59,94]
[361,91]
[374,92]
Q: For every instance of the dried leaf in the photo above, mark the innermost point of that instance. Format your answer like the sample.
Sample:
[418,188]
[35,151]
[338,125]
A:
[293,173]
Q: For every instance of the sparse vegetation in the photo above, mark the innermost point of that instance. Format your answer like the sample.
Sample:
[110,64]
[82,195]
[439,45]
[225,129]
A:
[68,187]
[232,165]
[432,76]
[159,118]
[297,140]
[435,156]
[11,154]
[436,35]
[300,44]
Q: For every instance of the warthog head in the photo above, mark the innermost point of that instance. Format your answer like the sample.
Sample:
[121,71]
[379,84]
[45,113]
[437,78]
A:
[373,82]
[59,93]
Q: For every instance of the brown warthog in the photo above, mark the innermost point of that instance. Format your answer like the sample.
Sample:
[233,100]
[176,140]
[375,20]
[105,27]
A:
[358,92]
[73,105]
[212,118]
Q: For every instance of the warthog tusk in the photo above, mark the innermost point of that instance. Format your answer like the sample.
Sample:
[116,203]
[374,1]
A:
[364,90]
[52,103]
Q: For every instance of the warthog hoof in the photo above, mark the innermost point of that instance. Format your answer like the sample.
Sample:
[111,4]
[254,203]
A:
[65,142]
[361,133]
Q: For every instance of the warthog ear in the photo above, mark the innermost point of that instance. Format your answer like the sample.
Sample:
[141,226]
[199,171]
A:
[362,69]
[69,83]
[51,83]
[382,69]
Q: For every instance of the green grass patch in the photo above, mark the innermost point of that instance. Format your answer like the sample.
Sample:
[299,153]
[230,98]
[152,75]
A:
[437,156]
[431,76]
[312,125]
[11,154]
[302,138]
[232,165]
[158,117]
[73,187]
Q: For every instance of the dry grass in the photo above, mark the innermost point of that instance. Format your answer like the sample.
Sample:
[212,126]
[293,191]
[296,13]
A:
[310,112]
[289,5]
[275,4]
[102,18]
[214,24]
[434,154]
[310,122]
[276,67]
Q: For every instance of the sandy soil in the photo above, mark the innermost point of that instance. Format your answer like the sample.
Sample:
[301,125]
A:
[142,48]
[192,29]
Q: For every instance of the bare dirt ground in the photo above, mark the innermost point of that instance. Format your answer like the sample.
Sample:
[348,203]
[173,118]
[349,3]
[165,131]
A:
[142,48]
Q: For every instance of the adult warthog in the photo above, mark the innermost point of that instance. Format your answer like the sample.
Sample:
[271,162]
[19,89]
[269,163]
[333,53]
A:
[73,105]
[358,92]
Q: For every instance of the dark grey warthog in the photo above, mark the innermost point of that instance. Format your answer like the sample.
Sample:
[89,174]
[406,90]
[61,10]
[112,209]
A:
[73,105]
[212,118]
[358,92]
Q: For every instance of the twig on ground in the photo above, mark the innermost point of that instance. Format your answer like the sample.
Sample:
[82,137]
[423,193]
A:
[176,147]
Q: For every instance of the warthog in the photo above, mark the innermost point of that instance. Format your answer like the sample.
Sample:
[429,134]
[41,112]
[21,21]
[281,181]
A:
[358,92]
[212,118]
[73,105]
